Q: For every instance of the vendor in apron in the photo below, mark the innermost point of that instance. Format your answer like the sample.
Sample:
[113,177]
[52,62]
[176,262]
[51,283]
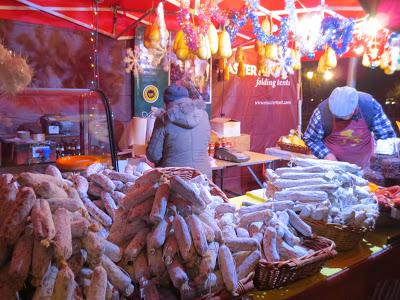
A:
[344,126]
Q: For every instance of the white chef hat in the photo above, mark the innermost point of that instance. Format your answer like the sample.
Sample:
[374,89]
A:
[343,101]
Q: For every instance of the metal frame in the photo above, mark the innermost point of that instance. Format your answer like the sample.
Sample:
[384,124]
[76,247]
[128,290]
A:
[113,151]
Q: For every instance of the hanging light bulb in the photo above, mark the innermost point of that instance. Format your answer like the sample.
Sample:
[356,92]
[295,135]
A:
[310,75]
[328,75]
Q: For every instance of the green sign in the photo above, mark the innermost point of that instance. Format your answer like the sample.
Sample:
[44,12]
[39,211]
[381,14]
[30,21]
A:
[149,86]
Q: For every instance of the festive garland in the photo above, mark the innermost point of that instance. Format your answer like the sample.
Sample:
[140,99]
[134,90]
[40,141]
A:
[337,33]
[207,13]
[239,18]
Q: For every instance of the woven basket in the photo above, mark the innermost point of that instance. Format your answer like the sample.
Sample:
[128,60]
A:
[271,275]
[189,173]
[345,237]
[293,148]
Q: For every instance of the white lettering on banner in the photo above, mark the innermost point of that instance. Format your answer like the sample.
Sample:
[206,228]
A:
[251,70]
[264,81]
[272,102]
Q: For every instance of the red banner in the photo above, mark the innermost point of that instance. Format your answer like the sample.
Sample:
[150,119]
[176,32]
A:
[267,107]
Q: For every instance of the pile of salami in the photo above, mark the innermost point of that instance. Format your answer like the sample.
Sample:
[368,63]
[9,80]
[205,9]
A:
[328,191]
[112,235]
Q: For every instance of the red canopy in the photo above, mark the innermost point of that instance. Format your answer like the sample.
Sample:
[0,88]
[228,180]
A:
[117,16]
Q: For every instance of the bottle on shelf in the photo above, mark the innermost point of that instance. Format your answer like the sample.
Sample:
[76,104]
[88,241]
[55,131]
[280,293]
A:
[57,150]
[78,148]
[72,148]
[62,150]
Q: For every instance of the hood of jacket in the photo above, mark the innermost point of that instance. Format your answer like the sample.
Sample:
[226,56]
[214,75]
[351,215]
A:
[186,112]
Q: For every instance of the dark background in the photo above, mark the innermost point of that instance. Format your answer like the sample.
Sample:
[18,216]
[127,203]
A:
[384,88]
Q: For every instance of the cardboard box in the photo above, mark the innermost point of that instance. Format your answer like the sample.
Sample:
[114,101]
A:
[241,143]
[138,150]
[225,127]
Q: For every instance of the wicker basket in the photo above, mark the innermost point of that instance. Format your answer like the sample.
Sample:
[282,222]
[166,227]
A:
[270,275]
[189,173]
[293,148]
[345,237]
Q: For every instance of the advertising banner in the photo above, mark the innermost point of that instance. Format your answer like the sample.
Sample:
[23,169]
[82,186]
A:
[267,107]
[149,86]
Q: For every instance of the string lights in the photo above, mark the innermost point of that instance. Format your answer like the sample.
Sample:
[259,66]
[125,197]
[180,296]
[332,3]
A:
[94,40]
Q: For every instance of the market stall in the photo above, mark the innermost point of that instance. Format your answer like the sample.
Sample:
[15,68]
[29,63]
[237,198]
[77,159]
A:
[80,219]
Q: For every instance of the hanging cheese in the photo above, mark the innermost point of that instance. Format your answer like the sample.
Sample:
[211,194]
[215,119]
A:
[330,58]
[222,63]
[226,73]
[271,51]
[154,35]
[239,54]
[182,51]
[366,62]
[224,44]
[178,36]
[213,38]
[385,60]
[204,51]
[261,66]
[146,40]
[296,59]
[266,26]
[241,70]
[260,48]
[321,64]
[388,71]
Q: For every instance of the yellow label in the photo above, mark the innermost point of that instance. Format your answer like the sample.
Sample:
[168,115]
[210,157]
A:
[150,94]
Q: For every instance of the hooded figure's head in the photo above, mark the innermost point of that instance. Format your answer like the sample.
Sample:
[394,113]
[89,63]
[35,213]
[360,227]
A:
[174,93]
[343,102]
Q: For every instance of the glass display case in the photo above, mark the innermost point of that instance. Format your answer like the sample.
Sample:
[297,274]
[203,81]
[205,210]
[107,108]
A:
[39,126]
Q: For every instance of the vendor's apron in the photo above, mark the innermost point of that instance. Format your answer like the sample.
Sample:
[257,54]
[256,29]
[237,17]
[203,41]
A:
[351,140]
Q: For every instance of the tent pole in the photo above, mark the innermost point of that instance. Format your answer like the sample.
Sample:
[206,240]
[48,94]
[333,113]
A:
[149,11]
[300,102]
[352,72]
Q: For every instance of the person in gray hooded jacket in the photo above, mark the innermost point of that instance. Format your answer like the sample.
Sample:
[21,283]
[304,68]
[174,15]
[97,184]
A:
[180,136]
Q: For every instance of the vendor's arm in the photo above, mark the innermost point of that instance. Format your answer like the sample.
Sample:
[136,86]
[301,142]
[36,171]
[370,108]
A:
[381,126]
[155,147]
[314,135]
